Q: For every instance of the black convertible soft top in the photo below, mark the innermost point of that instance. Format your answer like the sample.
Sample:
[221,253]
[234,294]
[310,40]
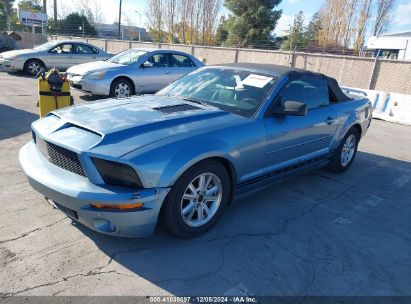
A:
[292,73]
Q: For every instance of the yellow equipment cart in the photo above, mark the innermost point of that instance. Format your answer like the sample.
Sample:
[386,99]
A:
[54,91]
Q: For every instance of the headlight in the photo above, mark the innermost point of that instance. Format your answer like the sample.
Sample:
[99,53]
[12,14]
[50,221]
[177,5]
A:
[12,57]
[95,75]
[117,174]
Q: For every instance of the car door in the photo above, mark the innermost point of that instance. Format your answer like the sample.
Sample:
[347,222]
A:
[155,75]
[83,53]
[61,56]
[292,139]
[180,65]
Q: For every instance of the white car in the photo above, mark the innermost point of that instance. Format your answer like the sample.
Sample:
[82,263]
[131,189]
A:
[134,71]
[61,54]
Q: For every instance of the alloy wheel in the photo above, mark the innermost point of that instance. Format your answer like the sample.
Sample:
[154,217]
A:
[348,150]
[201,199]
[122,90]
[34,68]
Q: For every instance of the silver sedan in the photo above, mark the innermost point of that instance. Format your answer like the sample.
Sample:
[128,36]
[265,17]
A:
[134,71]
[61,54]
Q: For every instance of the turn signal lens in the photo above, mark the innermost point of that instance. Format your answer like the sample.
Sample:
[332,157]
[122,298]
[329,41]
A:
[117,207]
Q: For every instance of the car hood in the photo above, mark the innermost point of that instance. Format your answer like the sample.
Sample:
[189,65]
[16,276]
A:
[9,54]
[118,126]
[84,68]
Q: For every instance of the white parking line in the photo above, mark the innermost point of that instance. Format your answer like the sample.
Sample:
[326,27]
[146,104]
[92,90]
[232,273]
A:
[401,181]
[238,290]
[361,209]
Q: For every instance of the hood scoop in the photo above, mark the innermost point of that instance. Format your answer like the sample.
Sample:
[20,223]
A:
[176,108]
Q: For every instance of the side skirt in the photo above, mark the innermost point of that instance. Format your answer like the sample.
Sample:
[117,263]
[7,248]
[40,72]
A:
[276,176]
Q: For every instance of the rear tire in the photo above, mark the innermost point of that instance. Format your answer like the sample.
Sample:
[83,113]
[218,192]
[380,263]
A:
[33,67]
[345,154]
[121,87]
[188,214]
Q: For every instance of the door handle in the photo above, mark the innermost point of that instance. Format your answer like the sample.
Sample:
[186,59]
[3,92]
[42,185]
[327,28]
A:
[329,120]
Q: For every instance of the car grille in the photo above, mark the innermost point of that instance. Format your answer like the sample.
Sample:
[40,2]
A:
[60,157]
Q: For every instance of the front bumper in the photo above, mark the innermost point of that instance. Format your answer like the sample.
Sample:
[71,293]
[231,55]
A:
[90,86]
[75,193]
[7,65]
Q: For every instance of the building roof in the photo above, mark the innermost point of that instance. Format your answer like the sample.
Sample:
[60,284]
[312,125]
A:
[399,34]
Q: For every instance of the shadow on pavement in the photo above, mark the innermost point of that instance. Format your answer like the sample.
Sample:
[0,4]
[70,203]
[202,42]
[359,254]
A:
[14,122]
[91,97]
[317,234]
[20,74]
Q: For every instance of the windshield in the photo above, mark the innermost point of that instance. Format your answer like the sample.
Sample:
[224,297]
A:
[127,57]
[46,46]
[236,91]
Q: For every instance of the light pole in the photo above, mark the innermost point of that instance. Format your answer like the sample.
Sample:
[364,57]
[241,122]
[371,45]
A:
[119,20]
[139,29]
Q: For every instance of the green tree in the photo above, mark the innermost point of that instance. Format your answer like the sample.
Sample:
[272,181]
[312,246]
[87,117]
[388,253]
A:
[30,5]
[311,32]
[295,39]
[222,32]
[6,10]
[252,22]
[73,22]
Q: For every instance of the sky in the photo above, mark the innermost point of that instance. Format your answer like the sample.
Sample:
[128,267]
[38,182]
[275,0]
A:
[109,8]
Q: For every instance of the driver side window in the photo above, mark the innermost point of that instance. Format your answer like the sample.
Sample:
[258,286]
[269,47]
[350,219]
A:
[65,48]
[309,90]
[159,60]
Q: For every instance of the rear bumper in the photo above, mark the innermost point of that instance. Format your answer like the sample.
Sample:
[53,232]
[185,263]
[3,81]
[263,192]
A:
[95,87]
[74,194]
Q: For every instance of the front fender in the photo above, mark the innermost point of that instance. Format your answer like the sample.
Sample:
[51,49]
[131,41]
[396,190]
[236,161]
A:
[161,167]
[188,156]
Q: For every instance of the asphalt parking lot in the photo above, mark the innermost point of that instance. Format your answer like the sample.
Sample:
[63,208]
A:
[318,234]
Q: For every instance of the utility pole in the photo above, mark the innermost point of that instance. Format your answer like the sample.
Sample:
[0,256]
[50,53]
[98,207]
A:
[7,5]
[119,21]
[83,27]
[55,12]
[139,29]
[44,23]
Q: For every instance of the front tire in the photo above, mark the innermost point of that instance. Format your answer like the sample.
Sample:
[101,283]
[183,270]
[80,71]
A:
[121,88]
[33,67]
[197,200]
[345,154]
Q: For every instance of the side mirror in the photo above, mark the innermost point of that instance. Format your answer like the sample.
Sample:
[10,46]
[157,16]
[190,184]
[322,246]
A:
[147,64]
[295,108]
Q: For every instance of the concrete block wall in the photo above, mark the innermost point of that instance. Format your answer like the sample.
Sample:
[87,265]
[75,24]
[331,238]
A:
[260,56]
[214,55]
[364,73]
[393,76]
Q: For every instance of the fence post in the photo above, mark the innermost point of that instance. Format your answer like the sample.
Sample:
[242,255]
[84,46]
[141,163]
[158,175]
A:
[105,45]
[192,49]
[236,55]
[373,72]
[129,44]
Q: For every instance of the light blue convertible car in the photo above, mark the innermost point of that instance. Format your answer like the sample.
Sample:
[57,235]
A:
[182,154]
